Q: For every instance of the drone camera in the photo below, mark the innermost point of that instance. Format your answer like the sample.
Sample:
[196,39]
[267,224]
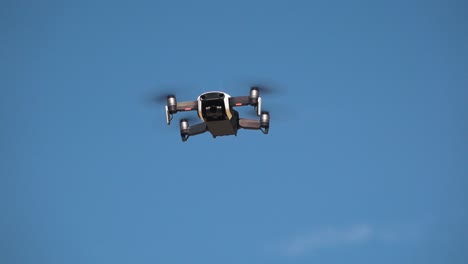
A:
[213,105]
[214,111]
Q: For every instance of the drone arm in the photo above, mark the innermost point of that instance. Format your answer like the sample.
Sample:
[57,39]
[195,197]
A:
[239,101]
[197,129]
[246,100]
[249,123]
[186,132]
[263,124]
[187,106]
[180,107]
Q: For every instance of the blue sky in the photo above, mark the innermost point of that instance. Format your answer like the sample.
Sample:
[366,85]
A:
[365,161]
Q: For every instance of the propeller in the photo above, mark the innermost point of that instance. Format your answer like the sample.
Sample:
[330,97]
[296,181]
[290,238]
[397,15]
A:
[159,94]
[160,98]
[265,87]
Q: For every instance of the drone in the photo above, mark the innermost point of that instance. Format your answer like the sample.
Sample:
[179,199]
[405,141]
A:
[218,115]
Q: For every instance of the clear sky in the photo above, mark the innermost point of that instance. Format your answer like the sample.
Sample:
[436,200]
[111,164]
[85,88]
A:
[366,160]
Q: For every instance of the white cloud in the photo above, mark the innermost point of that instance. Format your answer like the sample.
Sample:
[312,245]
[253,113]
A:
[334,237]
[328,238]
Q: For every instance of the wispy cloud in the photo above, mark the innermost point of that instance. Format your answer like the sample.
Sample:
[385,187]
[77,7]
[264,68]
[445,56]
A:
[327,238]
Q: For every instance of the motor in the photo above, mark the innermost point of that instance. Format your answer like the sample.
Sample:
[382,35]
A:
[265,122]
[184,129]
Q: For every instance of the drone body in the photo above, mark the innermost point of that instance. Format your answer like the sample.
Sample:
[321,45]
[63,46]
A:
[217,113]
